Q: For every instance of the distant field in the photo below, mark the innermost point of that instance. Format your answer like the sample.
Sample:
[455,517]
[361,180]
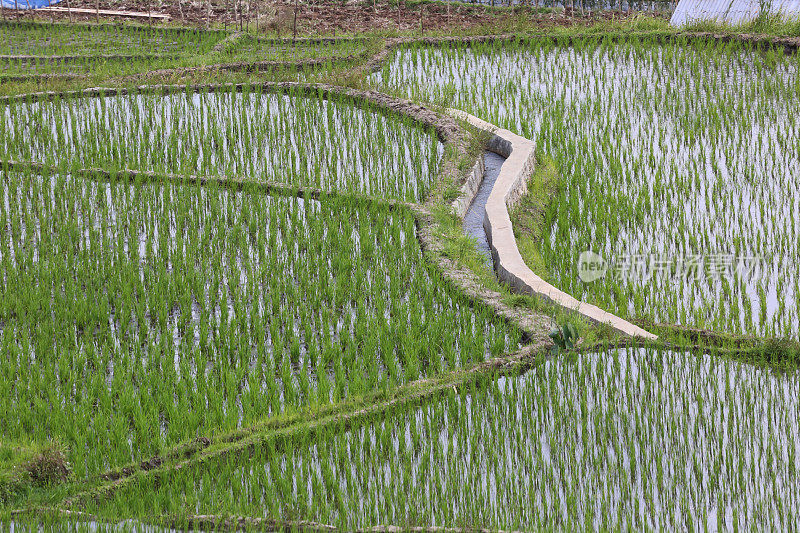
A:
[58,40]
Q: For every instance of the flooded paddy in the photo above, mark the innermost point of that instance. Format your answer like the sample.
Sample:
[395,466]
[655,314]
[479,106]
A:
[680,168]
[259,137]
[148,314]
[631,438]
[136,316]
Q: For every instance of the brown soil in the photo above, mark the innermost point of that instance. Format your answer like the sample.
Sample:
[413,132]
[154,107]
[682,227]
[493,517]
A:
[327,17]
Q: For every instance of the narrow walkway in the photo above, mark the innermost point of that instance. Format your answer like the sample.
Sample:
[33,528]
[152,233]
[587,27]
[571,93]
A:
[510,184]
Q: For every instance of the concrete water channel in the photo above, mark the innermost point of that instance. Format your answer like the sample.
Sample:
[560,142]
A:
[473,220]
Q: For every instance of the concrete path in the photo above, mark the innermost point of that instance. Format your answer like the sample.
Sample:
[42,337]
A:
[511,269]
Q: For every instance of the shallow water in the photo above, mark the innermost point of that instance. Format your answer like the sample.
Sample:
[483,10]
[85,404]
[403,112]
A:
[85,526]
[473,220]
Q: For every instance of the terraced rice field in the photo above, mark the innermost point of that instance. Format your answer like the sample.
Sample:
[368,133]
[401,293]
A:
[31,52]
[678,165]
[247,134]
[638,439]
[250,308]
[43,40]
[243,303]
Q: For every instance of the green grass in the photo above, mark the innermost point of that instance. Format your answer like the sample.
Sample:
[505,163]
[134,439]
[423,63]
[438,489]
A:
[13,458]
[529,216]
[770,25]
[25,465]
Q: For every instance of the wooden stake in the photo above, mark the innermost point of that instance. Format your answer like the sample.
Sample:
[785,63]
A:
[294,24]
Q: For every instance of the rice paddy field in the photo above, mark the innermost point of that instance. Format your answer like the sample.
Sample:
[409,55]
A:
[627,439]
[43,40]
[242,303]
[229,132]
[248,307]
[251,48]
[678,165]
[36,51]
[227,285]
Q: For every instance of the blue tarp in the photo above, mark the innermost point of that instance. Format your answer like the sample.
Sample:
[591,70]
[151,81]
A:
[27,4]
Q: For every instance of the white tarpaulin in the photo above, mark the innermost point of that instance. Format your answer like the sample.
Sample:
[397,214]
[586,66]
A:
[731,11]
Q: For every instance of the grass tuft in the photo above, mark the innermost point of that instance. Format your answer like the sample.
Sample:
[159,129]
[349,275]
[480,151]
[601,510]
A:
[24,465]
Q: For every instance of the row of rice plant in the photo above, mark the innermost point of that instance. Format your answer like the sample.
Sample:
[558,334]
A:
[137,316]
[630,439]
[97,66]
[36,39]
[98,71]
[262,137]
[680,166]
[250,52]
